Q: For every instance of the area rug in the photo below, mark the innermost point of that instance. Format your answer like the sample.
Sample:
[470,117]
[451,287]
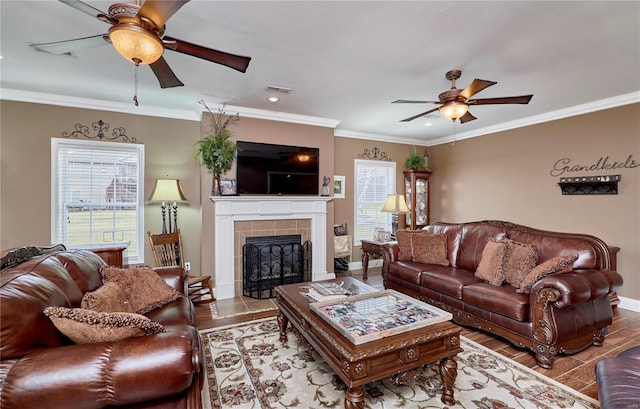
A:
[247,367]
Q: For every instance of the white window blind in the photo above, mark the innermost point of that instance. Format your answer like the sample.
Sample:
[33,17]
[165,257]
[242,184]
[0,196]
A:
[373,181]
[96,195]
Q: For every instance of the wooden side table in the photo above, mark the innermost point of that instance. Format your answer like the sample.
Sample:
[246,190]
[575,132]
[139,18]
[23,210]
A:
[371,248]
[111,255]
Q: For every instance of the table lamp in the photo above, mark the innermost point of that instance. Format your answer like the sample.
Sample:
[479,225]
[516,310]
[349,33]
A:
[168,192]
[395,204]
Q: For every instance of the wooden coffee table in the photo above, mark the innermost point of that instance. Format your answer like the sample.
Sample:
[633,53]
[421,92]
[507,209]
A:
[400,356]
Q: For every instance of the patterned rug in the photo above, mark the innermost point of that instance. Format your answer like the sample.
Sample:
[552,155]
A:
[247,367]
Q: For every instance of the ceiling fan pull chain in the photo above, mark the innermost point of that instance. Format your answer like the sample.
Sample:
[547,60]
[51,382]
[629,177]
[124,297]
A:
[135,89]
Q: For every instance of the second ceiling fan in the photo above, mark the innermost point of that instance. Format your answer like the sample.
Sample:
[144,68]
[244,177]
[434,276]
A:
[454,103]
[137,33]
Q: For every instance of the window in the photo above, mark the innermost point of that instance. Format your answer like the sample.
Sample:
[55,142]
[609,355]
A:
[96,195]
[373,181]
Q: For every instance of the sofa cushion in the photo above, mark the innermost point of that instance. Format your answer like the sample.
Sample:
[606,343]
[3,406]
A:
[404,243]
[86,326]
[447,280]
[429,248]
[521,258]
[557,265]
[503,300]
[492,264]
[144,289]
[108,298]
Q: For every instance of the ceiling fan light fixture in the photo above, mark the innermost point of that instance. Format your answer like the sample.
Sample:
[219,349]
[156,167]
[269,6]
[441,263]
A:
[136,44]
[453,109]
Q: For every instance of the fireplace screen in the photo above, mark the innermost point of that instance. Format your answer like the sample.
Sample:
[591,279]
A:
[270,261]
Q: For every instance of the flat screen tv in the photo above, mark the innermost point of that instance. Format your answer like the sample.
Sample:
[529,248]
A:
[268,169]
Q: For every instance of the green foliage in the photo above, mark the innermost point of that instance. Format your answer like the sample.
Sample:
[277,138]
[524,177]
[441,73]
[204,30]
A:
[416,161]
[216,151]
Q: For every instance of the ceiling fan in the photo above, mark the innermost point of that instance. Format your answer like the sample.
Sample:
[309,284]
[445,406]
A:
[137,33]
[454,103]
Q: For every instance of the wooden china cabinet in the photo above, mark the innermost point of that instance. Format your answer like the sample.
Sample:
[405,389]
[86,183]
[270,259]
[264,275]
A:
[416,191]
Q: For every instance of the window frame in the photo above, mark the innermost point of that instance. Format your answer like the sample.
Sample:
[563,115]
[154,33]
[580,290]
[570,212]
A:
[56,145]
[391,188]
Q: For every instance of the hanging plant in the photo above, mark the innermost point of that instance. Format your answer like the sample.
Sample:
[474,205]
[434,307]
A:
[217,151]
[416,161]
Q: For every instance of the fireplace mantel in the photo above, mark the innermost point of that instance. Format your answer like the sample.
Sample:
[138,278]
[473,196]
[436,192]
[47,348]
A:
[229,209]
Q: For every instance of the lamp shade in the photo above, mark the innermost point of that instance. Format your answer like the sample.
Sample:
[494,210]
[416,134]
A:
[136,43]
[395,203]
[168,190]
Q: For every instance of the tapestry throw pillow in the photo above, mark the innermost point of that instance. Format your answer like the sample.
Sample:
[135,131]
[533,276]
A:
[87,326]
[108,298]
[404,243]
[142,286]
[556,265]
[491,268]
[429,248]
[521,259]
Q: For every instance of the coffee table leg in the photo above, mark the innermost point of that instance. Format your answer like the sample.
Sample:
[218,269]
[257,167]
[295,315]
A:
[448,373]
[365,264]
[354,399]
[282,324]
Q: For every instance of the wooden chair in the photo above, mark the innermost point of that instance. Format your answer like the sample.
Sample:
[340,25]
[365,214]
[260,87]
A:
[167,251]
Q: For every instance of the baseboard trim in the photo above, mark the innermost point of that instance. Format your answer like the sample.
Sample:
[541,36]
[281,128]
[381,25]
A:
[629,304]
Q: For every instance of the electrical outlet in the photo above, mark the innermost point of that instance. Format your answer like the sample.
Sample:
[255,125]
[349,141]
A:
[187,265]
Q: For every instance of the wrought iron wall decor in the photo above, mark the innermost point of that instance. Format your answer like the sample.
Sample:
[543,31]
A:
[590,185]
[375,154]
[100,127]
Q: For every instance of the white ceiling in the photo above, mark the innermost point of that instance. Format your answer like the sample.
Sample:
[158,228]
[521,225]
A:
[347,60]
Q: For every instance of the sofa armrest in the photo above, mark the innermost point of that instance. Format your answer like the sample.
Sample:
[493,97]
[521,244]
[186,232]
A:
[389,254]
[577,287]
[102,374]
[175,277]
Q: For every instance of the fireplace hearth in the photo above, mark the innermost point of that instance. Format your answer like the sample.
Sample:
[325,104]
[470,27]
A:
[270,261]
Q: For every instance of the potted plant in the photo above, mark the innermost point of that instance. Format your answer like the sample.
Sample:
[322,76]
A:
[416,161]
[217,151]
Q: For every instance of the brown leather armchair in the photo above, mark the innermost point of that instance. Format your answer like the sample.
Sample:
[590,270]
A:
[40,367]
[618,380]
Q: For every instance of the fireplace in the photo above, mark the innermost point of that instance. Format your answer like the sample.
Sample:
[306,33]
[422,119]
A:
[270,261]
[233,212]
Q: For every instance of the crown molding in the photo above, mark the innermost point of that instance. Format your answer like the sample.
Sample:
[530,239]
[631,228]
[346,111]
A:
[97,104]
[379,138]
[600,105]
[277,116]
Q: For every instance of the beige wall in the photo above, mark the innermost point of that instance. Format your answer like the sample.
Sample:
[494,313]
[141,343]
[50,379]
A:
[506,176]
[25,152]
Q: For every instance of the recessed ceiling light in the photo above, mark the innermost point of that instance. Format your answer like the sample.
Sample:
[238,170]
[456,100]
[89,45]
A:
[428,124]
[273,99]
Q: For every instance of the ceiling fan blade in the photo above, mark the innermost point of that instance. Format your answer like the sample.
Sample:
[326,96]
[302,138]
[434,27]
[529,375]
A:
[475,87]
[165,75]
[522,99]
[467,117]
[237,62]
[67,46]
[159,11]
[411,118]
[408,101]
[85,8]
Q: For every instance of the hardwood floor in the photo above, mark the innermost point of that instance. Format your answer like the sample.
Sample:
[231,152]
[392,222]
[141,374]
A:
[577,370]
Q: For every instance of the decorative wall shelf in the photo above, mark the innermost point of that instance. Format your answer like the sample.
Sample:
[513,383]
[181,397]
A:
[590,185]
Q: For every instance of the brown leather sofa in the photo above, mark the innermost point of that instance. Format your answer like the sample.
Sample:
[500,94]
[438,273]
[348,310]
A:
[42,368]
[618,380]
[563,314]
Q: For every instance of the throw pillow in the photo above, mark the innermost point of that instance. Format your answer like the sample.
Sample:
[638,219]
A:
[556,265]
[142,286]
[430,248]
[108,298]
[491,268]
[404,243]
[86,326]
[521,259]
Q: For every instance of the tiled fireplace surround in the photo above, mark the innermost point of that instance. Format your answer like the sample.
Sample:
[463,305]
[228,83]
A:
[238,217]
